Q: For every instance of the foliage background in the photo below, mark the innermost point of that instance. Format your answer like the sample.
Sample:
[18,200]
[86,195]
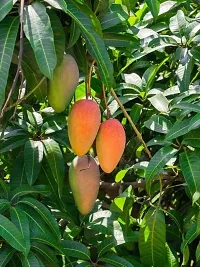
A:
[147,213]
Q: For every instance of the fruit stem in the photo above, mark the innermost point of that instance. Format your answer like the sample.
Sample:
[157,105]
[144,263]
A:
[106,104]
[131,123]
[89,79]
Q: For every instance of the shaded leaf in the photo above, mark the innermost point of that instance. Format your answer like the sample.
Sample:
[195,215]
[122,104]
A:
[33,155]
[5,255]
[158,123]
[11,234]
[179,128]
[76,250]
[152,238]
[115,260]
[8,30]
[44,213]
[4,205]
[156,164]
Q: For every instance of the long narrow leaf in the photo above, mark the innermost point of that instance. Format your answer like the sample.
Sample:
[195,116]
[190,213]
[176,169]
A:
[44,213]
[33,155]
[11,234]
[37,28]
[8,30]
[6,255]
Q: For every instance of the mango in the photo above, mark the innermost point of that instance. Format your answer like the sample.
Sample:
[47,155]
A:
[83,124]
[84,180]
[110,144]
[65,80]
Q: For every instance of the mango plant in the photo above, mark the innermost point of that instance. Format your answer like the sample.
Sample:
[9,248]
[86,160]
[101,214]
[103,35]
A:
[133,199]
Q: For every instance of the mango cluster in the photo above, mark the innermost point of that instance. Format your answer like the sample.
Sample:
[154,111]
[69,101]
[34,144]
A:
[84,127]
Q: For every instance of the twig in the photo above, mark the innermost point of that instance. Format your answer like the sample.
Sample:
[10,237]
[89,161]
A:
[106,104]
[140,184]
[89,78]
[19,67]
[26,96]
[131,122]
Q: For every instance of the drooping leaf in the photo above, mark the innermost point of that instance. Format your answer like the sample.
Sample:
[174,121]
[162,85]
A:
[33,155]
[152,238]
[190,167]
[12,143]
[74,34]
[160,102]
[18,174]
[37,28]
[158,124]
[76,250]
[55,160]
[178,129]
[27,189]
[115,260]
[5,7]
[4,205]
[11,234]
[19,218]
[172,259]
[8,29]
[30,260]
[5,255]
[45,252]
[59,36]
[156,164]
[44,213]
[178,23]
[154,6]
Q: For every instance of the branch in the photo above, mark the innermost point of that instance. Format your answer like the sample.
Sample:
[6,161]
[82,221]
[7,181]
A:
[106,104]
[19,67]
[139,184]
[26,96]
[131,122]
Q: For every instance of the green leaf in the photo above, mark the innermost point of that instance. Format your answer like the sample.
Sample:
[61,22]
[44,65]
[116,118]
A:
[59,36]
[115,260]
[178,23]
[154,6]
[160,102]
[120,175]
[188,106]
[48,240]
[12,143]
[136,112]
[192,138]
[44,213]
[30,260]
[156,164]
[184,74]
[27,189]
[5,7]
[45,252]
[55,160]
[195,122]
[37,28]
[172,259]
[198,252]
[8,29]
[5,255]
[74,34]
[195,52]
[158,123]
[59,4]
[18,174]
[19,218]
[119,40]
[76,250]
[11,234]
[152,238]
[190,167]
[33,155]
[114,16]
[4,205]
[95,44]
[179,128]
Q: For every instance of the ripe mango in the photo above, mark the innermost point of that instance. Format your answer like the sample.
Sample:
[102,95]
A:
[84,179]
[83,124]
[110,144]
[65,80]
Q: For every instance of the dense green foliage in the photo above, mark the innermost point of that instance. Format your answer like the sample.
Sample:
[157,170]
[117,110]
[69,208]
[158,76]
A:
[147,212]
